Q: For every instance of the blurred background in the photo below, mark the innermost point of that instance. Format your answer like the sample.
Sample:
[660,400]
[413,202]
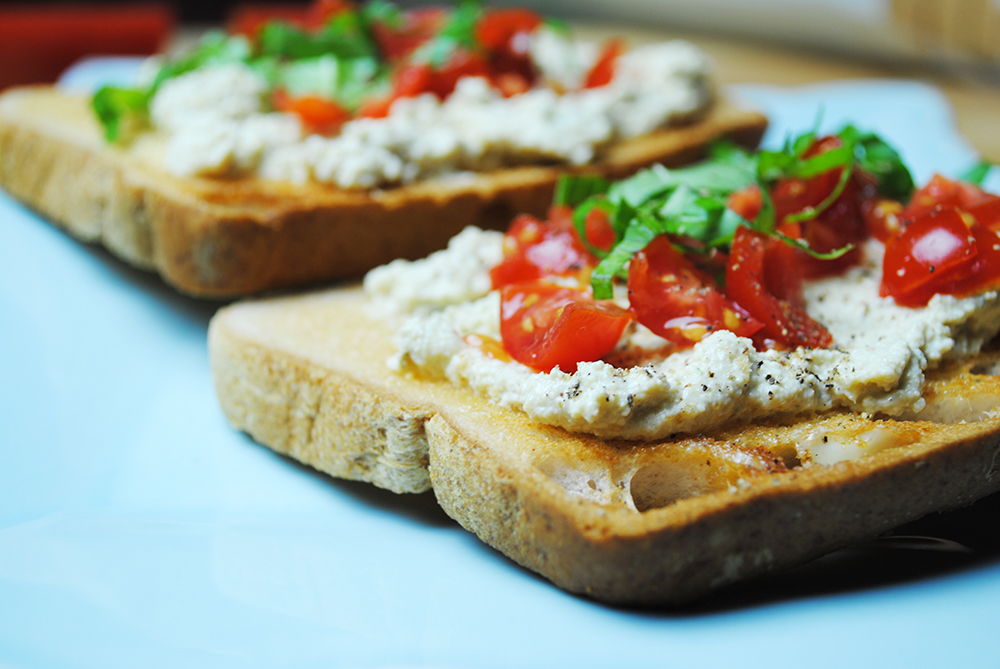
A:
[954,44]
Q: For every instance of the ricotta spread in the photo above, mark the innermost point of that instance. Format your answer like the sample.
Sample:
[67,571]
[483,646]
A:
[877,363]
[216,120]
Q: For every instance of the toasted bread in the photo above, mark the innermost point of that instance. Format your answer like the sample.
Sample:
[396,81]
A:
[219,238]
[624,522]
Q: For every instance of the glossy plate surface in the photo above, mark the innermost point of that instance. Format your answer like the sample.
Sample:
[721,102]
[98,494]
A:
[137,529]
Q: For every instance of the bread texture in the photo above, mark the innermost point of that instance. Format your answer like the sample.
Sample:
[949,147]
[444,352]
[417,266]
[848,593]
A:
[650,523]
[223,238]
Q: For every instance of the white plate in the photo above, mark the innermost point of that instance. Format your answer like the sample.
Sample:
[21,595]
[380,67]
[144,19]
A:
[138,530]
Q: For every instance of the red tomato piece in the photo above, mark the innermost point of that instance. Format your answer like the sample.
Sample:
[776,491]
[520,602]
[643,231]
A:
[838,225]
[985,273]
[883,218]
[534,249]
[511,83]
[783,321]
[792,196]
[375,108]
[677,301]
[321,11]
[545,326]
[499,29]
[419,26]
[940,190]
[783,271]
[747,202]
[412,80]
[317,113]
[506,34]
[986,211]
[599,230]
[935,250]
[461,64]
[603,70]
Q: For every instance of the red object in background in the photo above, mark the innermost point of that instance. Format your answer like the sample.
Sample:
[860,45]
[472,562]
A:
[38,42]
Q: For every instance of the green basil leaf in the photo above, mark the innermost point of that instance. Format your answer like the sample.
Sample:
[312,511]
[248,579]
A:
[800,244]
[977,173]
[637,237]
[215,48]
[342,38]
[118,108]
[458,32]
[884,163]
[572,190]
[380,11]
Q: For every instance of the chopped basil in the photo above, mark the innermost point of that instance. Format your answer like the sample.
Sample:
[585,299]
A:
[215,48]
[977,173]
[459,32]
[120,109]
[380,11]
[571,191]
[117,107]
[344,37]
[340,61]
[690,203]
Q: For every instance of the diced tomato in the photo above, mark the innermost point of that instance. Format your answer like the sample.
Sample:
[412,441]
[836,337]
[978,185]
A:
[794,195]
[600,233]
[545,326]
[506,35]
[317,113]
[838,225]
[935,251]
[534,249]
[461,64]
[409,82]
[677,301]
[942,191]
[396,43]
[414,80]
[939,191]
[783,271]
[603,70]
[321,11]
[747,202]
[511,83]
[597,226]
[783,321]
[883,218]
[987,211]
[375,107]
[499,29]
[985,273]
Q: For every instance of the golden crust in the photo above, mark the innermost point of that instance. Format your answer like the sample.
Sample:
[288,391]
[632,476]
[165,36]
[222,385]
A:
[226,238]
[625,522]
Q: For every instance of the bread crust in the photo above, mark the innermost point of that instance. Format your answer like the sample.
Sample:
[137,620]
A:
[625,522]
[219,238]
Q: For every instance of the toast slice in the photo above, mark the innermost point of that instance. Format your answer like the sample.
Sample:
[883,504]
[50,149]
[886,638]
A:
[218,238]
[622,522]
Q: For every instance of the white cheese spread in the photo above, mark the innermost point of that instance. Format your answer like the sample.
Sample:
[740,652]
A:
[216,122]
[876,365]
